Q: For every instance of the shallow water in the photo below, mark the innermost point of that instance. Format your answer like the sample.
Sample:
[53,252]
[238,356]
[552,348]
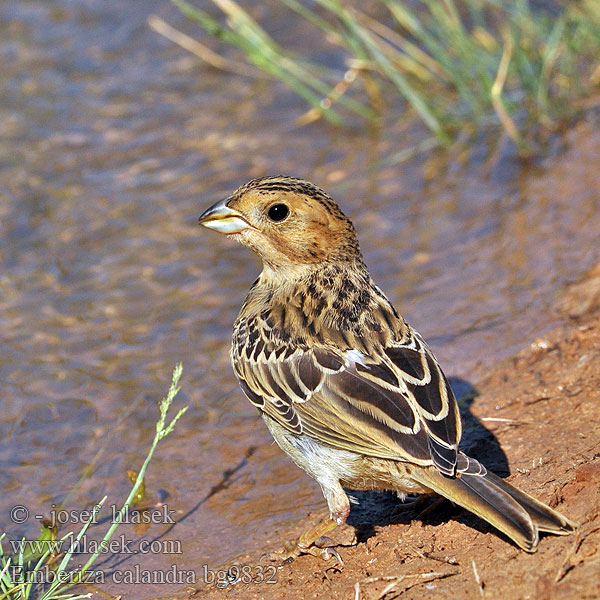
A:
[113,142]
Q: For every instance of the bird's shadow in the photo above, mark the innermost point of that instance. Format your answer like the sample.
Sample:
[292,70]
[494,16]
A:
[376,509]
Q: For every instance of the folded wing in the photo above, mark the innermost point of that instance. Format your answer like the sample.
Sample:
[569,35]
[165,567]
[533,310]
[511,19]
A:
[395,403]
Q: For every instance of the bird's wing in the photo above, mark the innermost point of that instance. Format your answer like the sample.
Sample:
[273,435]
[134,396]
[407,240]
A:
[395,403]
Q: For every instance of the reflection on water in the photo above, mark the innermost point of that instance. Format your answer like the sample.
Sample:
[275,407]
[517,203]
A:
[113,142]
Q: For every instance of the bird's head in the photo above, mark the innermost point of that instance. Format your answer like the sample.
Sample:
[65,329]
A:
[291,224]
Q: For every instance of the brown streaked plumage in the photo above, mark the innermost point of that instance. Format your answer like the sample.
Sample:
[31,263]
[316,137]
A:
[347,388]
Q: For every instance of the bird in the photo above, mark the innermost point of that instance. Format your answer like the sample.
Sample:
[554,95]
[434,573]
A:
[347,388]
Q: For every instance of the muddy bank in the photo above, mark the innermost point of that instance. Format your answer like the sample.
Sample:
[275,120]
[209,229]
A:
[536,415]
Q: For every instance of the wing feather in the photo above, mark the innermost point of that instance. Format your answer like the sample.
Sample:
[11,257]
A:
[395,403]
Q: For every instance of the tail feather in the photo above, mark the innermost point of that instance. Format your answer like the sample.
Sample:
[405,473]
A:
[517,514]
[544,518]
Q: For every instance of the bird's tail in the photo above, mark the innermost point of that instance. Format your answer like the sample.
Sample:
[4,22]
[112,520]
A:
[510,510]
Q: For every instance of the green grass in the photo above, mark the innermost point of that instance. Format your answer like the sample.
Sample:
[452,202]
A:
[21,574]
[462,67]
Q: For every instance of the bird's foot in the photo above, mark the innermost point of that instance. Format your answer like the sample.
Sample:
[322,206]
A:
[322,548]
[312,542]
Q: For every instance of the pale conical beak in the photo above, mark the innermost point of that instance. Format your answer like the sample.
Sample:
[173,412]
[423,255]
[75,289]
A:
[223,219]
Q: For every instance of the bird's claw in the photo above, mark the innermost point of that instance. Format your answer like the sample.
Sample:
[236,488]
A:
[325,554]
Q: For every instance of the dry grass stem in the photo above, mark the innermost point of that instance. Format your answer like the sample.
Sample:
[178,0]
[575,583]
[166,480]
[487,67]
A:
[413,578]
[496,91]
[477,578]
[337,92]
[571,561]
[201,51]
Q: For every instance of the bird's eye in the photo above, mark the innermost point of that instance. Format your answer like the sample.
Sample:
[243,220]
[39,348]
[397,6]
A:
[278,212]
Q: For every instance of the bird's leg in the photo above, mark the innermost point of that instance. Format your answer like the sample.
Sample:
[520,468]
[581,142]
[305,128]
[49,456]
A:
[430,507]
[313,540]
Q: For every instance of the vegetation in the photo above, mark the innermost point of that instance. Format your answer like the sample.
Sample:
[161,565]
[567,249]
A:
[24,575]
[463,66]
